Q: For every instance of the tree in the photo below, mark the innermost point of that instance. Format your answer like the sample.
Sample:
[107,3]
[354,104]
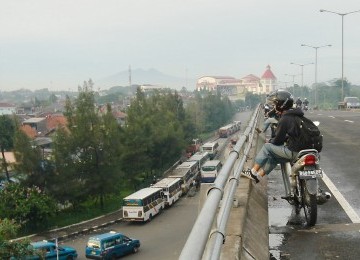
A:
[7,130]
[8,249]
[154,133]
[26,205]
[87,154]
[53,98]
[29,160]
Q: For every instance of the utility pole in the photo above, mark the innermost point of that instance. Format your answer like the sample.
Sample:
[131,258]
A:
[129,75]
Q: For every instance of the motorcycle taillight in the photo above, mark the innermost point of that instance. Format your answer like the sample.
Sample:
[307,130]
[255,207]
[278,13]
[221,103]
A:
[310,159]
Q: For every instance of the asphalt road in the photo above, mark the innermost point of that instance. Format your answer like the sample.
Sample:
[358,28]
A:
[164,237]
[337,233]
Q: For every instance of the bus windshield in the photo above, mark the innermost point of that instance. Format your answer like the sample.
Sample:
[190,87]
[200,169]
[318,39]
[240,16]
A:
[208,168]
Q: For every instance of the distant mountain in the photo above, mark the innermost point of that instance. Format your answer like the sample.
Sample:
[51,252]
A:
[141,76]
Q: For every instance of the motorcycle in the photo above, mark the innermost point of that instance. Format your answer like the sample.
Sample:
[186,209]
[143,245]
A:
[306,108]
[301,182]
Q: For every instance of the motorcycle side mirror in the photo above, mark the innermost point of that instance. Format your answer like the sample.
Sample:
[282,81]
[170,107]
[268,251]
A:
[317,123]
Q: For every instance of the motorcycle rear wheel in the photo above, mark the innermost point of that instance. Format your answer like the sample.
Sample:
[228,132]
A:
[309,205]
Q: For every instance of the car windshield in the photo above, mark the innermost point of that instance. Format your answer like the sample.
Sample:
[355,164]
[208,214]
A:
[93,243]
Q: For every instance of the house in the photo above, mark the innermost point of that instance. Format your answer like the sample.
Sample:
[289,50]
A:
[7,109]
[36,123]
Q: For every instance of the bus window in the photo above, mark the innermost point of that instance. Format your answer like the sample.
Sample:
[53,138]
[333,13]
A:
[143,204]
[171,189]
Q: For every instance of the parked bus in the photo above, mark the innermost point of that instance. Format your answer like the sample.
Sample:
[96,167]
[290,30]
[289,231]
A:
[143,205]
[210,170]
[171,188]
[226,131]
[200,157]
[211,148]
[187,177]
[192,165]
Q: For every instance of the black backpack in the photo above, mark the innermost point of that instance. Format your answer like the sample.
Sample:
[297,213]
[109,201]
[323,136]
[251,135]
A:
[309,136]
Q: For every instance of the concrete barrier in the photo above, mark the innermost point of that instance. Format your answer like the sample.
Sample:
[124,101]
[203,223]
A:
[247,235]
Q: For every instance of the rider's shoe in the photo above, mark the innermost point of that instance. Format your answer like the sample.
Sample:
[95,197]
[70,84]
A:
[258,130]
[248,174]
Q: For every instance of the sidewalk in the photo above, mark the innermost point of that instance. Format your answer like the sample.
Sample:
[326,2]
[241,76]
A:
[76,229]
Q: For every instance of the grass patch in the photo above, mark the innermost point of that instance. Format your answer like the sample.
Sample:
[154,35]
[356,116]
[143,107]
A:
[87,210]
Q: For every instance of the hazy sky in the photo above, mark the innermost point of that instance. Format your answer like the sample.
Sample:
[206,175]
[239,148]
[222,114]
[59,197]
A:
[57,44]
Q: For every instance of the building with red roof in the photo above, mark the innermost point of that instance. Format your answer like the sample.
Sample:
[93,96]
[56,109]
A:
[264,85]
[236,88]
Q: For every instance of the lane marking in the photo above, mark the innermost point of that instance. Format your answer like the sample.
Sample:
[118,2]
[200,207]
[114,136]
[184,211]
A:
[331,116]
[354,217]
[349,121]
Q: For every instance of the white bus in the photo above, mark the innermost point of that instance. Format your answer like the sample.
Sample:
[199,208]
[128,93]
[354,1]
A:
[171,188]
[210,170]
[227,130]
[200,157]
[192,165]
[143,205]
[211,148]
[186,176]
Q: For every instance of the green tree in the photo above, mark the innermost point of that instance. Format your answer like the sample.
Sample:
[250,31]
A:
[7,130]
[252,100]
[195,114]
[87,155]
[53,98]
[154,134]
[29,160]
[29,206]
[8,249]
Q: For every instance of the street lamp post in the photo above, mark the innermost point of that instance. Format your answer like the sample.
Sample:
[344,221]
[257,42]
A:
[342,45]
[302,72]
[316,49]
[293,81]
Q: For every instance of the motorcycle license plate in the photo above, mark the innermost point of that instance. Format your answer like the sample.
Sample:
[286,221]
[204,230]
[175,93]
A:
[310,174]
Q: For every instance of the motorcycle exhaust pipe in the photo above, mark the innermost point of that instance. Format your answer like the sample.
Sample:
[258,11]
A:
[323,197]
[327,195]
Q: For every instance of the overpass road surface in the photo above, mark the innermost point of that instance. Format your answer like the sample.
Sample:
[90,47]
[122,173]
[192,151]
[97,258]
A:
[337,233]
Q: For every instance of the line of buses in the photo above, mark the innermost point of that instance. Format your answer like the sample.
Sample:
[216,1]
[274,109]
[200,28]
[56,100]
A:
[144,204]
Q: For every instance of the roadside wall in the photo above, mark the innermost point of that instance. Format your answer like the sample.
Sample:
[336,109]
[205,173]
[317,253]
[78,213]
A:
[247,235]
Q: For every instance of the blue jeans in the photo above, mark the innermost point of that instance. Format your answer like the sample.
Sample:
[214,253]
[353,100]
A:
[268,122]
[270,155]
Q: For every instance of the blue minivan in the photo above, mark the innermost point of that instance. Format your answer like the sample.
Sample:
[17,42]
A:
[110,246]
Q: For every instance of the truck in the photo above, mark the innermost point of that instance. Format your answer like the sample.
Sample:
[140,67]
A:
[349,102]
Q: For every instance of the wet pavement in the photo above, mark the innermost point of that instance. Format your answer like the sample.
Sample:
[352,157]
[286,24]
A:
[334,236]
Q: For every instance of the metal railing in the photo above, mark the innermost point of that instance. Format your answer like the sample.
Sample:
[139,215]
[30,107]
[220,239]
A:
[201,235]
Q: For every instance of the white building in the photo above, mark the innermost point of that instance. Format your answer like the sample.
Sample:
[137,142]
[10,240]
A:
[228,86]
[7,109]
[264,85]
[236,88]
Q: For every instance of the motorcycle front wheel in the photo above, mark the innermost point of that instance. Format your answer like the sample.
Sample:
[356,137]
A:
[309,205]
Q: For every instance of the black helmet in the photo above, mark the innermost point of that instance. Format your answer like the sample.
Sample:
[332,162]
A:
[281,99]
